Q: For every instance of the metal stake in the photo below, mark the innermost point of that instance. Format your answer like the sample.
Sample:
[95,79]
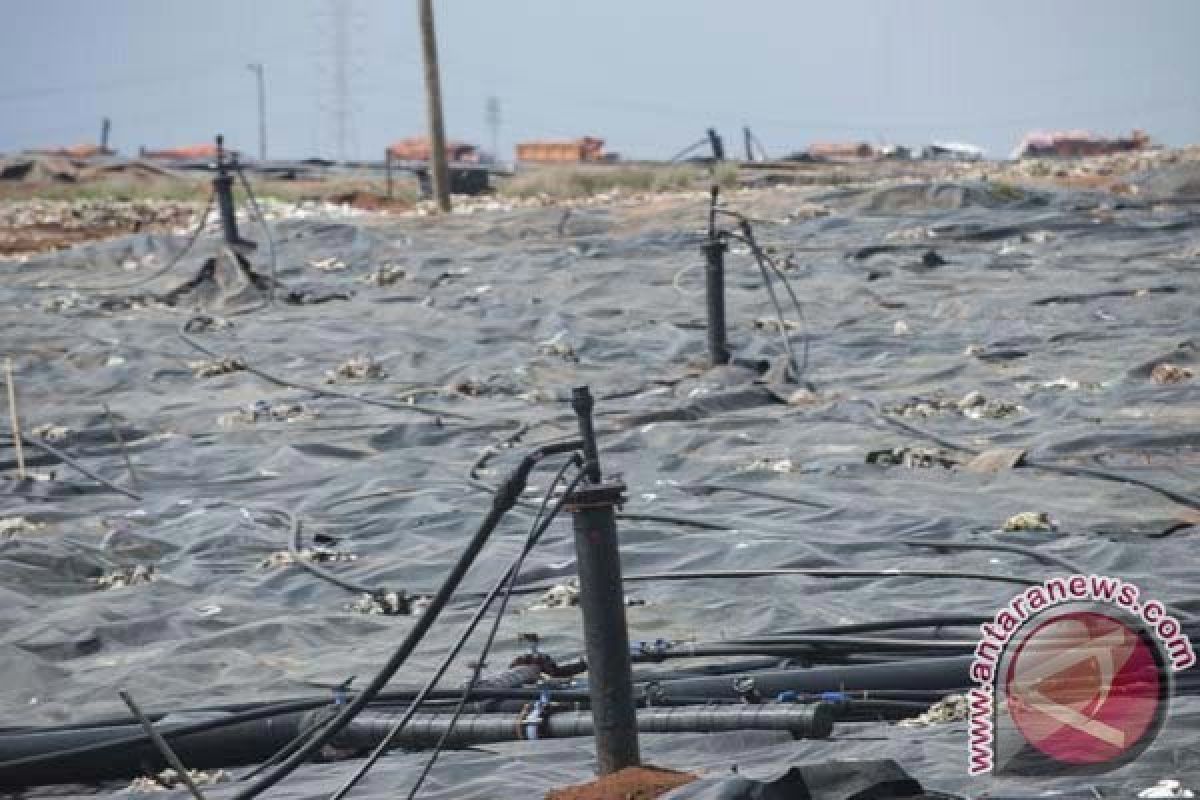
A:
[602,601]
[223,187]
[714,290]
[161,744]
[13,419]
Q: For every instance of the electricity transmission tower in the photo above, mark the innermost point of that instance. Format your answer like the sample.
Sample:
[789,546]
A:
[338,66]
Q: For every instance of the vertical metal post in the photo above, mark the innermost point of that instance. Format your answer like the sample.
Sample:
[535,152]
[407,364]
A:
[105,129]
[714,291]
[223,188]
[748,140]
[718,148]
[433,102]
[602,601]
[387,168]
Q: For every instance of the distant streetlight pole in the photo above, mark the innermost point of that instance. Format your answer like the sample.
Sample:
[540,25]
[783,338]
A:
[433,102]
[493,121]
[257,69]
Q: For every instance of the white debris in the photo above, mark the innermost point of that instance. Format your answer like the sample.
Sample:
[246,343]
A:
[952,708]
[18,526]
[1030,521]
[1167,788]
[125,576]
[564,595]
[51,432]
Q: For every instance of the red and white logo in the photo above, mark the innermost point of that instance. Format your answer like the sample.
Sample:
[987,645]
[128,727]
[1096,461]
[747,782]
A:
[1085,687]
[1073,675]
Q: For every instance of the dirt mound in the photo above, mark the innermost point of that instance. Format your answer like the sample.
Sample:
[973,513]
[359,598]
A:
[631,783]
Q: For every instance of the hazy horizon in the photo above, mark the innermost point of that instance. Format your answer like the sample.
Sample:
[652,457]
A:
[646,77]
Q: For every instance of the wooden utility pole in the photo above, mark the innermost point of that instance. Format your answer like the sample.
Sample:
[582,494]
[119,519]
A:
[433,102]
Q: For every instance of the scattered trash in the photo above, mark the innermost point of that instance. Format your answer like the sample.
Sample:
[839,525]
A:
[1166,374]
[975,406]
[386,603]
[331,264]
[1166,788]
[996,460]
[972,405]
[386,275]
[203,323]
[170,779]
[901,328]
[769,465]
[564,595]
[359,368]
[911,457]
[1030,521]
[315,555]
[774,325]
[211,369]
[51,432]
[18,526]
[122,577]
[264,412]
[558,346]
[952,708]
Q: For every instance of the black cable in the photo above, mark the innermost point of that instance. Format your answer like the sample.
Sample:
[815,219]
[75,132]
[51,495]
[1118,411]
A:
[431,684]
[266,231]
[320,390]
[63,457]
[1046,466]
[707,488]
[501,504]
[294,534]
[765,263]
[187,246]
[535,533]
[811,572]
[1037,555]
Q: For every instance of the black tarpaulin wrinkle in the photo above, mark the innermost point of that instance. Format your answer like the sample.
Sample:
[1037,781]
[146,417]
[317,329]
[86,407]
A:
[498,316]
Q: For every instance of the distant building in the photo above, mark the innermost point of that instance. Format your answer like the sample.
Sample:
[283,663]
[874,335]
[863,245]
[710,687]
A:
[418,148]
[842,151]
[74,151]
[195,152]
[1064,144]
[573,151]
[952,151]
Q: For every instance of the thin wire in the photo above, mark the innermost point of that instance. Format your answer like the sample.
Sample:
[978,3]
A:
[535,533]
[191,241]
[262,220]
[320,390]
[431,684]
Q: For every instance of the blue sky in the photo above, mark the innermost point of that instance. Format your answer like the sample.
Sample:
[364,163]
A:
[647,75]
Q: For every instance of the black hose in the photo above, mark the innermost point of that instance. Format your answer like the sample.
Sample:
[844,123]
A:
[320,390]
[1001,547]
[63,457]
[927,674]
[538,527]
[503,501]
[187,246]
[812,721]
[1045,466]
[811,572]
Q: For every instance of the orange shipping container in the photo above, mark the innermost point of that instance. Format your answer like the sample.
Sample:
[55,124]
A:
[418,149]
[588,148]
